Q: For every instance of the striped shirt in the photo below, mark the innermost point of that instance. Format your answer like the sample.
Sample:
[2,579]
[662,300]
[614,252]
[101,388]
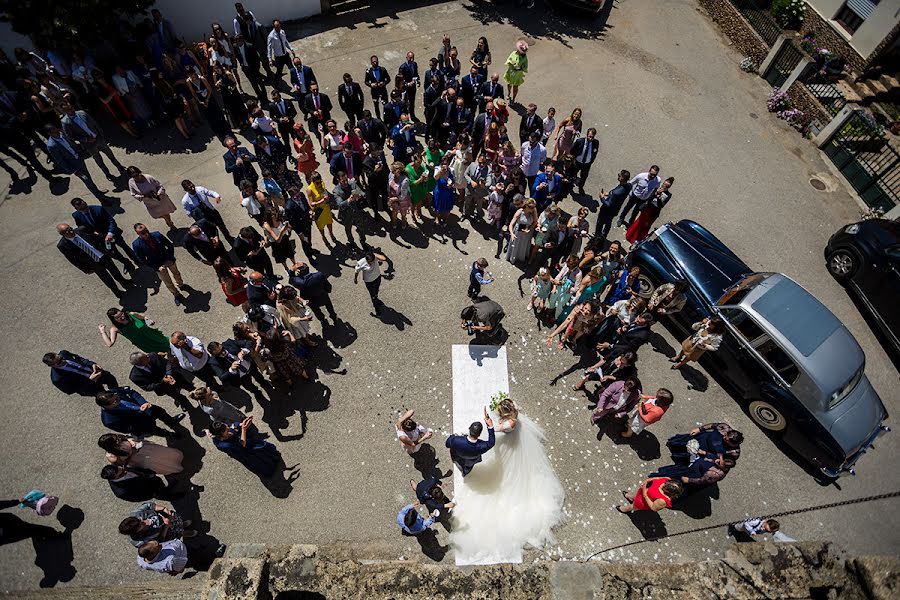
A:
[172,558]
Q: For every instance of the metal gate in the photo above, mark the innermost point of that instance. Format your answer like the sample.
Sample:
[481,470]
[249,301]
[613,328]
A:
[870,162]
[787,58]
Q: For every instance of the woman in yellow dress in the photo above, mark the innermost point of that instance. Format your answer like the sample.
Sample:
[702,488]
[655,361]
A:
[516,67]
[318,202]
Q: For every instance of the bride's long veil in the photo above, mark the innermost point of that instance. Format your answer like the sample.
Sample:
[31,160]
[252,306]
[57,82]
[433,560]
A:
[510,500]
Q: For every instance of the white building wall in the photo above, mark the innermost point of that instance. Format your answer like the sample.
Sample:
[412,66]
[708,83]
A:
[874,29]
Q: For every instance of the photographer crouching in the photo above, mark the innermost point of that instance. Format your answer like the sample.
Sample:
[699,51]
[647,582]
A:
[482,319]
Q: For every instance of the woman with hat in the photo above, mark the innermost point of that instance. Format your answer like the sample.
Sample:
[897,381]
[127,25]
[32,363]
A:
[516,67]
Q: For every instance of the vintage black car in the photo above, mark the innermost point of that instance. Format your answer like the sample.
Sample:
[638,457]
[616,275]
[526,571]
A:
[796,369]
[865,257]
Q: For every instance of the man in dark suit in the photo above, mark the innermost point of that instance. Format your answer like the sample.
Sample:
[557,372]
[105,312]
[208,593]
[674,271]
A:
[442,121]
[585,152]
[434,72]
[239,162]
[372,129]
[282,111]
[256,35]
[317,108]
[404,138]
[628,338]
[296,212]
[73,374]
[430,98]
[232,364]
[347,161]
[531,123]
[466,451]
[81,127]
[470,88]
[301,78]
[102,224]
[393,110]
[167,36]
[351,99]
[156,373]
[260,290]
[315,288]
[156,251]
[611,203]
[248,247]
[479,129]
[247,56]
[203,243]
[126,411]
[462,118]
[132,483]
[491,89]
[410,73]
[68,157]
[377,80]
[87,252]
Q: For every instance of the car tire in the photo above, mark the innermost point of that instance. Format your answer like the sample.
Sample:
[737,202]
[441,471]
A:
[647,287]
[843,264]
[767,416]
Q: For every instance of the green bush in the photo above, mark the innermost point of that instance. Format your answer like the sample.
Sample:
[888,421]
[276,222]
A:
[788,13]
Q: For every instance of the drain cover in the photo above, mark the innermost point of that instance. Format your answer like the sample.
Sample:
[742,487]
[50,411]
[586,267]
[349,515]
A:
[754,115]
[817,183]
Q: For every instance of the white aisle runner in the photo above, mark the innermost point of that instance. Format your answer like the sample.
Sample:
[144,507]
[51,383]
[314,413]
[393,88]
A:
[479,372]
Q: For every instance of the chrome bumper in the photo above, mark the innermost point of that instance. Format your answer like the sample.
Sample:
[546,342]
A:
[847,467]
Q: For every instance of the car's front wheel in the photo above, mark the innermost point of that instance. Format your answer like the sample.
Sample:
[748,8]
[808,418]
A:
[647,287]
[767,416]
[842,264]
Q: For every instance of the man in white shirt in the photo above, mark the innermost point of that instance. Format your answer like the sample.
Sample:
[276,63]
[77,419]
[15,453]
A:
[193,357]
[643,186]
[167,557]
[371,273]
[533,156]
[197,205]
[278,49]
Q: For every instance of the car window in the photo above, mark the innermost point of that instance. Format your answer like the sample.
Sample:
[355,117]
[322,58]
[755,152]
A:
[779,360]
[743,322]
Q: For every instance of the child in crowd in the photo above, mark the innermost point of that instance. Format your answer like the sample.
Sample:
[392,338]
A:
[272,188]
[541,286]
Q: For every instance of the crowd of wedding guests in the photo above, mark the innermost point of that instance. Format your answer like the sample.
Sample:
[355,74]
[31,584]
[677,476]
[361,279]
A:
[380,170]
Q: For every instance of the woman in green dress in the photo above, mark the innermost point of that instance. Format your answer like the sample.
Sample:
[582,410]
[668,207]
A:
[516,67]
[418,186]
[432,160]
[135,328]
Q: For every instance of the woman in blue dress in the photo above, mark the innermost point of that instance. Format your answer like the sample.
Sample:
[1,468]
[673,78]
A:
[442,199]
[628,285]
[240,442]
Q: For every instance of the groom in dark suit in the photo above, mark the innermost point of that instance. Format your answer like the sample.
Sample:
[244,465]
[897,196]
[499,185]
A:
[466,451]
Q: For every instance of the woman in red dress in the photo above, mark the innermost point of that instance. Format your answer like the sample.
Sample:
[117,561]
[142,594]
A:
[641,226]
[233,284]
[654,493]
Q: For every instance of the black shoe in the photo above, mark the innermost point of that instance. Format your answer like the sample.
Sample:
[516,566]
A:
[220,551]
[179,417]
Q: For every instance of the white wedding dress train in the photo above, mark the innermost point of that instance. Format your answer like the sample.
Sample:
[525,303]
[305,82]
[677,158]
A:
[510,500]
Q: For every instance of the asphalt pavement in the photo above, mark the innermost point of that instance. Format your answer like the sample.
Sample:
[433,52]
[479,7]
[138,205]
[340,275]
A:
[661,87]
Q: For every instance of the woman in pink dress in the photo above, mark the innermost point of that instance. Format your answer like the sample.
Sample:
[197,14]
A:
[149,191]
[125,450]
[566,133]
[398,193]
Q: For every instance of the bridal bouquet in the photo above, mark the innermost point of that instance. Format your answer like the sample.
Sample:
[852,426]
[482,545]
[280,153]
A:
[496,399]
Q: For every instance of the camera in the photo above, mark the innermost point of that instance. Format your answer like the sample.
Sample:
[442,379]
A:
[470,327]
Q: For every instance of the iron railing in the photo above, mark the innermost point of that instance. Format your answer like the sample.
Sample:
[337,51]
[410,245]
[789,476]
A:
[868,160]
[761,21]
[824,91]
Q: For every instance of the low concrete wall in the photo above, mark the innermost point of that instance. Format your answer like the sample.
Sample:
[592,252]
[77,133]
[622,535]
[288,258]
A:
[736,27]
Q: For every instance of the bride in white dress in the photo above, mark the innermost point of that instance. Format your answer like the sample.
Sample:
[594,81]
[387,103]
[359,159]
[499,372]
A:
[510,500]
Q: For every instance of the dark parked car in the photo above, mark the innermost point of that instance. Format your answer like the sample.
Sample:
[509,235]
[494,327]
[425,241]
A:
[590,6]
[865,257]
[795,367]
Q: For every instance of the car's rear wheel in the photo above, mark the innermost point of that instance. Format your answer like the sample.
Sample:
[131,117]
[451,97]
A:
[647,287]
[842,264]
[767,416]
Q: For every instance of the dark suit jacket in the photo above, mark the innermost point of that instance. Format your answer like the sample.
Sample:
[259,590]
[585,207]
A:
[154,258]
[339,163]
[313,287]
[578,148]
[489,88]
[246,170]
[127,419]
[308,77]
[469,89]
[309,106]
[97,220]
[409,71]
[392,113]
[222,364]
[467,454]
[137,489]
[479,128]
[251,55]
[629,341]
[296,212]
[379,75]
[151,381]
[616,197]
[204,250]
[243,248]
[257,295]
[74,132]
[73,383]
[276,113]
[352,101]
[63,159]
[76,255]
[373,131]
[537,125]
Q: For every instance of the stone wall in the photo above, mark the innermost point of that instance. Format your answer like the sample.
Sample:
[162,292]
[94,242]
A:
[802,99]
[749,571]
[828,38]
[736,27]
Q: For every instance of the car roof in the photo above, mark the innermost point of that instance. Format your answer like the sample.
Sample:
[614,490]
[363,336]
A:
[804,327]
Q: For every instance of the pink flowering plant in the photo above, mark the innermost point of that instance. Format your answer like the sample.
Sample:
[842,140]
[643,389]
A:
[778,100]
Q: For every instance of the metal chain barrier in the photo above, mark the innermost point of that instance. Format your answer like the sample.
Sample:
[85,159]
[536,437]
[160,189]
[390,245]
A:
[770,516]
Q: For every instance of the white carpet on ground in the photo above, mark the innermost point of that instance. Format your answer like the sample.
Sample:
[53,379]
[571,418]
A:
[479,372]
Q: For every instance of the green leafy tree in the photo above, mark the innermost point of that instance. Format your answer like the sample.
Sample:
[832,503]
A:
[69,23]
